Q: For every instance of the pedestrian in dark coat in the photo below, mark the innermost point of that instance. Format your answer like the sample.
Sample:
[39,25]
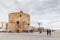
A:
[48,32]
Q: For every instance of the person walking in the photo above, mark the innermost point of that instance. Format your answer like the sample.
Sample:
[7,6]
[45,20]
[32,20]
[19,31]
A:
[48,32]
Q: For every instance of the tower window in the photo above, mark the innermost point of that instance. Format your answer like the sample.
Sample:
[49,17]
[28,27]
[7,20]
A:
[20,15]
[17,22]
[28,24]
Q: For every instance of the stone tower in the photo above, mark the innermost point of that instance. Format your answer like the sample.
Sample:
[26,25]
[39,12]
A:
[18,22]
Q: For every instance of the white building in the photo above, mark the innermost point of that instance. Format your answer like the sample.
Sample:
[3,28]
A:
[3,26]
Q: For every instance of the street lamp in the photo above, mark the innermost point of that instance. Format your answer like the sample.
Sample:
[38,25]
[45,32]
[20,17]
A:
[40,30]
[39,24]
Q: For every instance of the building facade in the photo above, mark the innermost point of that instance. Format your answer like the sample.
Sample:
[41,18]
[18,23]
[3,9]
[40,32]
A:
[3,26]
[18,22]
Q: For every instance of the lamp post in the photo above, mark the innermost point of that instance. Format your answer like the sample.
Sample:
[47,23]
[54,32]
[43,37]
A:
[40,30]
[39,24]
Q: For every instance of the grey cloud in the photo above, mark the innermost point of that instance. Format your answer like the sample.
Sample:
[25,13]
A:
[51,5]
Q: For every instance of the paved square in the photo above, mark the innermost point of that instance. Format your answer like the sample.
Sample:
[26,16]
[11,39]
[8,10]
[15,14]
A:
[29,36]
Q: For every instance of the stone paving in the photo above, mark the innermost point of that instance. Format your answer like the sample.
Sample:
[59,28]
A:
[29,36]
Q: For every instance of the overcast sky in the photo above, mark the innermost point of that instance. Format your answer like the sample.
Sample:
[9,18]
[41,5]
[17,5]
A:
[45,11]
